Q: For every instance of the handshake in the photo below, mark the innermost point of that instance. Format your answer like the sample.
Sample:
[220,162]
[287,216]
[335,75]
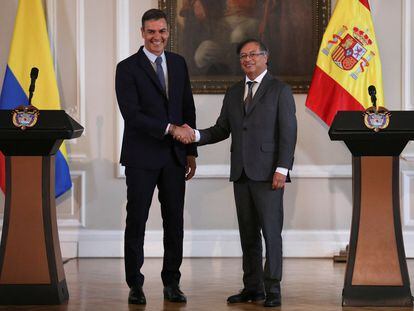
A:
[183,133]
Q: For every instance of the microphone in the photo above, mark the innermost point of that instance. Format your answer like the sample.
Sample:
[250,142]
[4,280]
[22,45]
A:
[33,76]
[372,91]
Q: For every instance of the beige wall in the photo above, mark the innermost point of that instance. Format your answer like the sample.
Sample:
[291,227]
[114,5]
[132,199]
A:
[88,38]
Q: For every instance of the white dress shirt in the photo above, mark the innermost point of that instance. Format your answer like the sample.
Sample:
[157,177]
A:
[152,57]
[255,86]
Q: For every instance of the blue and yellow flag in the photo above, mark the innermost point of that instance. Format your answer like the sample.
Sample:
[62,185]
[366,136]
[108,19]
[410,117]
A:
[30,48]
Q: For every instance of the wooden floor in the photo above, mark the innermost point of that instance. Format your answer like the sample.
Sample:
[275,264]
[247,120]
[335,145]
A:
[98,284]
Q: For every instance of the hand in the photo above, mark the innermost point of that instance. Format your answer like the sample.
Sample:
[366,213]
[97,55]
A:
[184,133]
[279,181]
[190,168]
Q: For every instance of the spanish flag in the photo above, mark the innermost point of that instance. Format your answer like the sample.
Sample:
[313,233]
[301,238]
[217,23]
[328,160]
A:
[348,63]
[30,48]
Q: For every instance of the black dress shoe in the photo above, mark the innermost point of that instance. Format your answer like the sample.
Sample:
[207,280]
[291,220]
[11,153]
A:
[245,296]
[174,294]
[272,300]
[136,296]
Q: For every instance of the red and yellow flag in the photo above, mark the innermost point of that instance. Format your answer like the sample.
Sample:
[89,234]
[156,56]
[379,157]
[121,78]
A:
[348,63]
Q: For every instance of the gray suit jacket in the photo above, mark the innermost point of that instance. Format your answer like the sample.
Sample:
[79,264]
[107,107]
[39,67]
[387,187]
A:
[262,139]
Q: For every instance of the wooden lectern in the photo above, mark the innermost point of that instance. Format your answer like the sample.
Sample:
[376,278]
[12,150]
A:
[376,272]
[31,268]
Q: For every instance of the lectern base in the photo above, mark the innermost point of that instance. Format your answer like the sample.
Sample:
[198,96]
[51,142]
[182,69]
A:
[376,272]
[31,268]
[377,296]
[46,294]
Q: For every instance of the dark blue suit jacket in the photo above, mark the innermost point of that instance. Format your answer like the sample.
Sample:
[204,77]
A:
[147,110]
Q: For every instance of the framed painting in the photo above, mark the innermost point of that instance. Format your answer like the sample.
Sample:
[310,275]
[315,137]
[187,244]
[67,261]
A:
[207,33]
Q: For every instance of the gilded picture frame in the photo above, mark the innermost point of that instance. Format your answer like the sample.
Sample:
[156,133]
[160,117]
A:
[207,32]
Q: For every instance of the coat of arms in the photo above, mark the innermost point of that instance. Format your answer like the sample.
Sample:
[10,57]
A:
[376,118]
[352,50]
[25,116]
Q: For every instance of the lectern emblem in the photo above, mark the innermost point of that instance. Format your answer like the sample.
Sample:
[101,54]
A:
[376,118]
[25,116]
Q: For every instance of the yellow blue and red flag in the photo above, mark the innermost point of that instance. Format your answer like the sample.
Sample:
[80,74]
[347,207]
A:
[348,63]
[30,48]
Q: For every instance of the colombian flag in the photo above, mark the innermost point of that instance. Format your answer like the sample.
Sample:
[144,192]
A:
[30,48]
[348,63]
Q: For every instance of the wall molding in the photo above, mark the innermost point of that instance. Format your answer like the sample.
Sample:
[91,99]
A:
[299,171]
[122,52]
[80,61]
[199,243]
[81,222]
[51,27]
[408,156]
[77,157]
[407,179]
[322,171]
[72,223]
[122,29]
[209,243]
[407,29]
[51,12]
[406,67]
[203,171]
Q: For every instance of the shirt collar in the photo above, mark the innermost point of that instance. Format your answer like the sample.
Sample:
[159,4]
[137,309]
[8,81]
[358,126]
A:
[152,57]
[258,79]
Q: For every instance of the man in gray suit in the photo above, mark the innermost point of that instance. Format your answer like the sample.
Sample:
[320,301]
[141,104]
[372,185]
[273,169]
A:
[259,113]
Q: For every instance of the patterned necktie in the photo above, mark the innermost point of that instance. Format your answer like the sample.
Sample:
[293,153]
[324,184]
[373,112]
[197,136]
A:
[160,72]
[249,97]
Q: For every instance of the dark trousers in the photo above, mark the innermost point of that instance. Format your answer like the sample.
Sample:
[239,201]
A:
[141,183]
[260,209]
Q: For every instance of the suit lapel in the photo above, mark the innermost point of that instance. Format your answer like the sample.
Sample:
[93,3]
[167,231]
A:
[170,72]
[260,92]
[145,64]
[239,100]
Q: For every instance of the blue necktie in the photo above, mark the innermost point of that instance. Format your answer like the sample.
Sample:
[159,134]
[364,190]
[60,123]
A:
[160,72]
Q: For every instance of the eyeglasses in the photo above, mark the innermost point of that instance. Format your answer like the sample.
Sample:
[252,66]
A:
[243,56]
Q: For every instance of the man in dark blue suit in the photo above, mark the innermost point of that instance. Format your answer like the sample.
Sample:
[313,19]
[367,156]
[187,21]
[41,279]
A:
[155,98]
